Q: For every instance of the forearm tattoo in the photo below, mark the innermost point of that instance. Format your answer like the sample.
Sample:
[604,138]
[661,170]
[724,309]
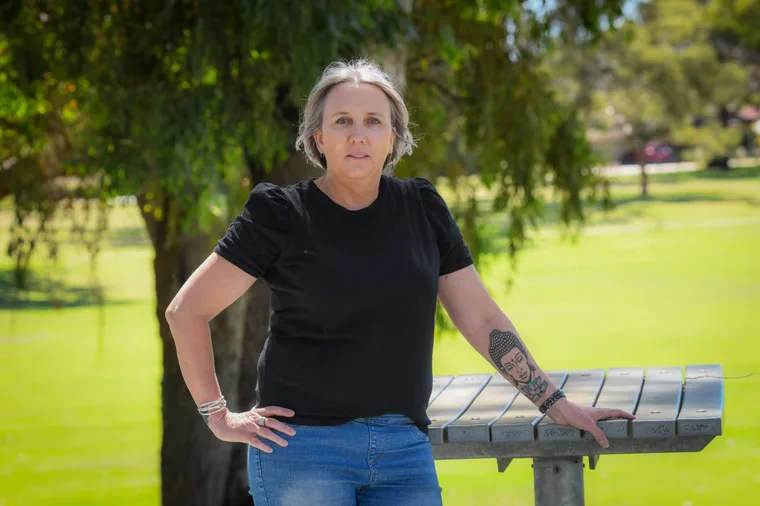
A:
[510,357]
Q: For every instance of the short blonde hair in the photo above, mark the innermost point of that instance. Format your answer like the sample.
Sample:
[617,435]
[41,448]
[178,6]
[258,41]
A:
[356,71]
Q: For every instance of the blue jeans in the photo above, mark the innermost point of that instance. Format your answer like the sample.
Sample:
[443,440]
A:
[379,461]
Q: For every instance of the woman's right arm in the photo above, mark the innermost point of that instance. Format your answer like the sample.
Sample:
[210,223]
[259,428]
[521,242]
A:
[212,287]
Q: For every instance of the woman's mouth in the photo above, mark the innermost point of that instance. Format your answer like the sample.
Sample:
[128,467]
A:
[358,156]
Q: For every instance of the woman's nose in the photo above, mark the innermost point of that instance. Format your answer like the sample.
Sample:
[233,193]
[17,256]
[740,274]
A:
[357,134]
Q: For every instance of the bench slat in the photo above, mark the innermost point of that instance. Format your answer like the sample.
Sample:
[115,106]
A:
[474,425]
[660,403]
[519,421]
[582,387]
[702,409]
[439,383]
[621,390]
[452,402]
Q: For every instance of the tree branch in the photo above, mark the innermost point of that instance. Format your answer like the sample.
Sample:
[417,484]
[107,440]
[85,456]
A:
[443,90]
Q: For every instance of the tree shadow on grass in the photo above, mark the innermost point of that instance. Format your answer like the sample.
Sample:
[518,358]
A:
[621,212]
[687,197]
[697,175]
[44,293]
[625,214]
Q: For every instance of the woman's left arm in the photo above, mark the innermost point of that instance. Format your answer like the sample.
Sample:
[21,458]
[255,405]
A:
[485,326]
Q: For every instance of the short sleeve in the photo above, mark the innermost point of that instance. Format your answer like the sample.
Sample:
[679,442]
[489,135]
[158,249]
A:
[454,252]
[257,236]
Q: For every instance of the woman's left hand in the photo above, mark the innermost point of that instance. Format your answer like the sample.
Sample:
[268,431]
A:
[564,412]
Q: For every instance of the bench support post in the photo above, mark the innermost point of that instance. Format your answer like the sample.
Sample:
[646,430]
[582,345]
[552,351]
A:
[503,464]
[558,481]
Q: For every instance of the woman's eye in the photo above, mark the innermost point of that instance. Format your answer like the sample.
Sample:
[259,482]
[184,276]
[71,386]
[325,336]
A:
[374,121]
[342,121]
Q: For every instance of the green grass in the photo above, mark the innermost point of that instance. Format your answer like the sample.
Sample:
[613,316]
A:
[671,280]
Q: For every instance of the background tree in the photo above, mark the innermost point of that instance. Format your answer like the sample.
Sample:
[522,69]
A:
[187,105]
[734,30]
[174,97]
[658,77]
[736,39]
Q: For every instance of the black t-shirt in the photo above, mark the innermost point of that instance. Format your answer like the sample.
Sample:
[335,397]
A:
[353,296]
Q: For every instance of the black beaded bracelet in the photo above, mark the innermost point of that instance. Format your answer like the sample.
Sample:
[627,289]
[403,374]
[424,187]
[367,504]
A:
[551,400]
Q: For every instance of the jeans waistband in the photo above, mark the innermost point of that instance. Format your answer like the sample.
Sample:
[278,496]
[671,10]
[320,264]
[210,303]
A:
[391,419]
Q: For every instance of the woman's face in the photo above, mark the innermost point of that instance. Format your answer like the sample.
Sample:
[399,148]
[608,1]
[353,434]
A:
[356,135]
[516,365]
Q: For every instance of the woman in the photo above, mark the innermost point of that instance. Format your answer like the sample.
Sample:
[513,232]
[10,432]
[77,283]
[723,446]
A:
[355,260]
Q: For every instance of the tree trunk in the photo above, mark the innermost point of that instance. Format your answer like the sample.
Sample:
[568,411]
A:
[644,181]
[255,334]
[394,59]
[194,463]
[641,159]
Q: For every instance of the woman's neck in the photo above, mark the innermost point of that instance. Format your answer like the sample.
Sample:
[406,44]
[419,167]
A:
[352,194]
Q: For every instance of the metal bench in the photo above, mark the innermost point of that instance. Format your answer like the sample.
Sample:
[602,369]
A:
[477,416]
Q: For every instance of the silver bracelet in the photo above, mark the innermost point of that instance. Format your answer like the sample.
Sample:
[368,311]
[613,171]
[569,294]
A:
[209,408]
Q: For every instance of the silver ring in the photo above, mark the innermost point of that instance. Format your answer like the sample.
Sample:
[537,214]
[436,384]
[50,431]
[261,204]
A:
[261,421]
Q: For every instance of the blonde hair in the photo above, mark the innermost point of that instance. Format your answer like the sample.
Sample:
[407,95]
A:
[356,71]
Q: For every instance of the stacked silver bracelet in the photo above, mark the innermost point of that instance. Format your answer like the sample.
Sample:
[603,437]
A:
[209,408]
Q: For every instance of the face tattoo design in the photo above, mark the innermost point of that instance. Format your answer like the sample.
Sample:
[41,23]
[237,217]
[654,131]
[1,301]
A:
[511,359]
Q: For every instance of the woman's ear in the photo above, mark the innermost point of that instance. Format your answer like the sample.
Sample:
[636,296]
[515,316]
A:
[318,140]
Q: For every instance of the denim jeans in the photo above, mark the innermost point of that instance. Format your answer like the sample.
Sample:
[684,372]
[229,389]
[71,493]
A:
[378,461]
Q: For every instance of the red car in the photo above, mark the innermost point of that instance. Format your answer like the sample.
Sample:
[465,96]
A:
[655,152]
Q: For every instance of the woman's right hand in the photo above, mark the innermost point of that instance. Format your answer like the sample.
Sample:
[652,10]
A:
[252,426]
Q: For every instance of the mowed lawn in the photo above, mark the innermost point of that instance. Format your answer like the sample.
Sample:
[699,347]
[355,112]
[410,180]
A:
[672,280]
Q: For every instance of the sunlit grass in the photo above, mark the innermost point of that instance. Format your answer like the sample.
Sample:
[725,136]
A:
[671,280]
